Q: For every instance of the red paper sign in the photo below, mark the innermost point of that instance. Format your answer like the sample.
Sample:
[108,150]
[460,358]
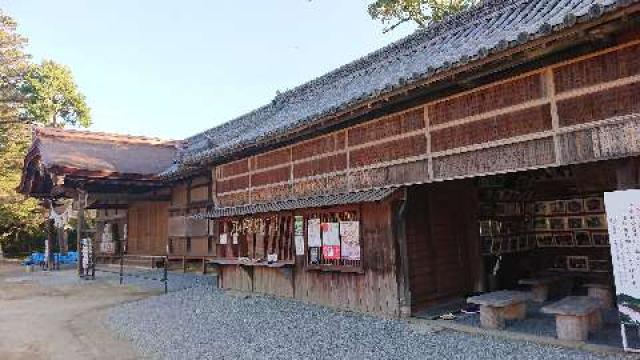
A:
[331,252]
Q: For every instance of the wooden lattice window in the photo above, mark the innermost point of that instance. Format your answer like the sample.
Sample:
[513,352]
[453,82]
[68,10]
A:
[333,239]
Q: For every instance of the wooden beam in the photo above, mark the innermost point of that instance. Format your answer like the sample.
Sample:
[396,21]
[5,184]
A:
[105,206]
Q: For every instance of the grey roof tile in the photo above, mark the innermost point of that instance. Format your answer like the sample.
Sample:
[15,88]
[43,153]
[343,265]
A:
[354,197]
[491,27]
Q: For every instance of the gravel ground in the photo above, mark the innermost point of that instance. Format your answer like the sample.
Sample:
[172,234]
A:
[148,279]
[206,323]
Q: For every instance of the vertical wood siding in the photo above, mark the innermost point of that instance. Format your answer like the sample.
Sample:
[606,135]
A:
[375,290]
[443,257]
[148,228]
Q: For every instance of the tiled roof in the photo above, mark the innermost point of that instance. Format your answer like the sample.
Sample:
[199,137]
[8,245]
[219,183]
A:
[491,27]
[355,197]
[102,153]
[102,136]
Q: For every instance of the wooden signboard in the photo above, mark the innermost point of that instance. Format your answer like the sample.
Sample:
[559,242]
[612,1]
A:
[623,217]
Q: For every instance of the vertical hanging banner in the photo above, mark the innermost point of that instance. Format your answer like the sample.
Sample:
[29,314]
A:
[298,234]
[330,240]
[350,237]
[623,218]
[223,240]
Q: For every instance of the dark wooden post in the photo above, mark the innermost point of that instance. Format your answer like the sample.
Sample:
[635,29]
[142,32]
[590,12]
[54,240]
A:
[165,278]
[627,174]
[402,258]
[121,268]
[81,206]
[50,236]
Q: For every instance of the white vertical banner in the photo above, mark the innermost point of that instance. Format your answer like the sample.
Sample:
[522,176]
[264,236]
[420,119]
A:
[623,218]
[298,233]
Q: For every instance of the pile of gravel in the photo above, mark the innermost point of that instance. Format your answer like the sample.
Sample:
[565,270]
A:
[207,323]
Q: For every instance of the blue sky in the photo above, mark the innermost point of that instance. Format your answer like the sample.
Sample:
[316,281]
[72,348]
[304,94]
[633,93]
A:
[174,68]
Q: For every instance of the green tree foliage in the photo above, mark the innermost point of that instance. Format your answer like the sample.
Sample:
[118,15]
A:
[421,12]
[53,98]
[45,94]
[19,218]
[13,66]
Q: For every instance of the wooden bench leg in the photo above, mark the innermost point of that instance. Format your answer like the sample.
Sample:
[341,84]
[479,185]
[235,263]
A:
[540,293]
[515,312]
[595,321]
[491,317]
[573,328]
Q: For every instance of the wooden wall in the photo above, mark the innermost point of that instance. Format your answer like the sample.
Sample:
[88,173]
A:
[147,228]
[442,242]
[578,111]
[190,237]
[374,290]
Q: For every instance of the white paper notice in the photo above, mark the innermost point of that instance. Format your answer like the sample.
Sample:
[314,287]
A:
[623,217]
[313,233]
[223,239]
[298,231]
[330,234]
[350,236]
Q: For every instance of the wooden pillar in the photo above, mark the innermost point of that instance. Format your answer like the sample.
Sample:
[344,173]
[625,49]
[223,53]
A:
[471,240]
[65,241]
[402,257]
[48,256]
[61,241]
[627,174]
[81,206]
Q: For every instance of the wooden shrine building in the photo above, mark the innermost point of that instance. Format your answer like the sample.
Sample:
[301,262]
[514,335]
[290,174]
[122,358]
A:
[398,181]
[114,175]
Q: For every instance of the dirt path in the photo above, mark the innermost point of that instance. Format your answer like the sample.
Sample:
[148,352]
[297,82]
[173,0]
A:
[60,321]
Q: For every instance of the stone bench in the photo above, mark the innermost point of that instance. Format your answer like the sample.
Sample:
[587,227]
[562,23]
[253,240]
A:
[576,317]
[498,306]
[540,286]
[602,292]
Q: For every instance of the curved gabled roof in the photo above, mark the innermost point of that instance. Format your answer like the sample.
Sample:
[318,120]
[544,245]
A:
[491,27]
[102,153]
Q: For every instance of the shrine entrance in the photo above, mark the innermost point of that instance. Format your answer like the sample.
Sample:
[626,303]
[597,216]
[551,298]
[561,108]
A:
[514,251]
[444,260]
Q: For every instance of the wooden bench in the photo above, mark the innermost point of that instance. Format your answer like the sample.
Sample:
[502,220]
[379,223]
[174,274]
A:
[498,306]
[602,292]
[540,286]
[576,317]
